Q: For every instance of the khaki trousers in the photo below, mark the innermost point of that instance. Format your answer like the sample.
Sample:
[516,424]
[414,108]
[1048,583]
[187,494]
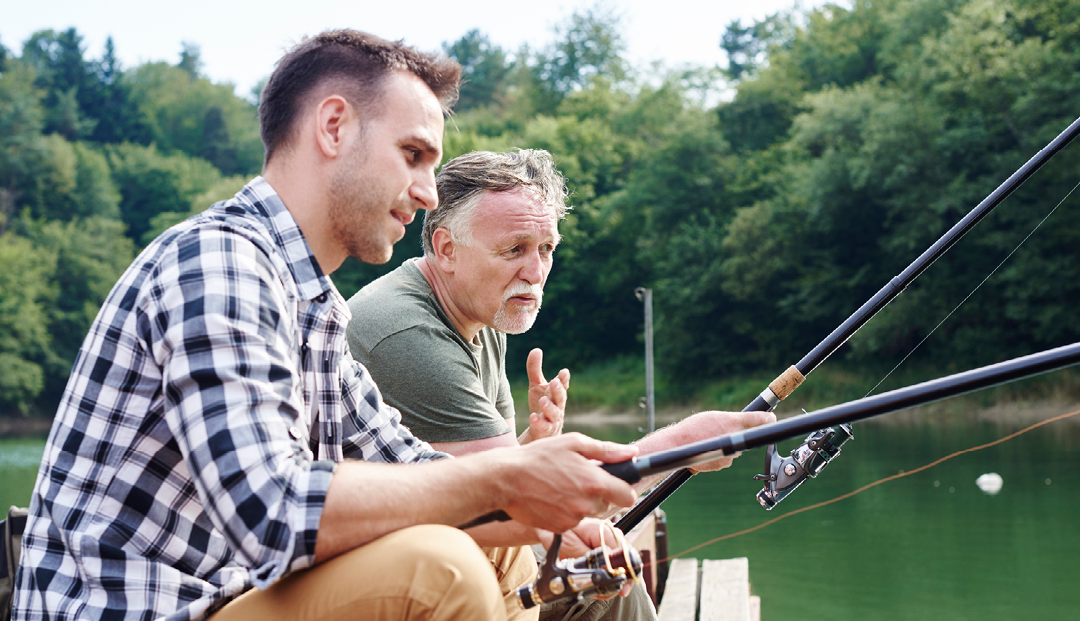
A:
[428,572]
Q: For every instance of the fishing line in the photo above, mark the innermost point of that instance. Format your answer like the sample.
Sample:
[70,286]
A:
[874,484]
[992,272]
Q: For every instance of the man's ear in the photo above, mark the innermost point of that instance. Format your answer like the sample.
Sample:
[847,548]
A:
[332,125]
[444,249]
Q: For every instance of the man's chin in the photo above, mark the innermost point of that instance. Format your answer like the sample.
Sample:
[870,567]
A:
[373,255]
[519,324]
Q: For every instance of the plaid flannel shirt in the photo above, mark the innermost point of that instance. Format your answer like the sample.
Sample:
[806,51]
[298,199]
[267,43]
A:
[184,465]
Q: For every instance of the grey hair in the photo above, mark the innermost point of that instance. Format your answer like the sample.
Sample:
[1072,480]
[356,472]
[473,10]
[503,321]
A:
[463,181]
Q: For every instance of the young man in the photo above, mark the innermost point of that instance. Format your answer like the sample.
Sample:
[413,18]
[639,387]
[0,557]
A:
[208,438]
[488,250]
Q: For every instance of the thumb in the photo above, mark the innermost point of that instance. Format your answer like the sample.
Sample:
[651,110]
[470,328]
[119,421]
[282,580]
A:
[534,367]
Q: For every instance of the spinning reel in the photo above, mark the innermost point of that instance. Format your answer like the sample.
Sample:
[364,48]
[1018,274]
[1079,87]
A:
[782,476]
[600,573]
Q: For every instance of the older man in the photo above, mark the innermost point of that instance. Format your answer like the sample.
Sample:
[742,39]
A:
[433,332]
[214,432]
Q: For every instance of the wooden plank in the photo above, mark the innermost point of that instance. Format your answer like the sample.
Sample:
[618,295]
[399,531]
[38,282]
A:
[725,590]
[681,593]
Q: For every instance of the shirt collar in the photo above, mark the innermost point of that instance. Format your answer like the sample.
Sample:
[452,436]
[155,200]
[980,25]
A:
[259,196]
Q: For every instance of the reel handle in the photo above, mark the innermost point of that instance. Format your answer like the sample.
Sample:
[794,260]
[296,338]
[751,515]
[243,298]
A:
[586,576]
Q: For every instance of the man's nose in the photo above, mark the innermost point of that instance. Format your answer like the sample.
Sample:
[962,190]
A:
[423,191]
[533,271]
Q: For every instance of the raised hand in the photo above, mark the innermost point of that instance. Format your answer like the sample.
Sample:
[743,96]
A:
[547,400]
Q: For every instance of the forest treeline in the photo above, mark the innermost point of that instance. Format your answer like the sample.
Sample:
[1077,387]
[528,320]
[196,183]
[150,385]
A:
[762,201]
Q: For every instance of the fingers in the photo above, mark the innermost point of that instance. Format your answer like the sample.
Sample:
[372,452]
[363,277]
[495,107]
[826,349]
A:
[607,452]
[750,420]
[555,483]
[534,367]
[547,422]
[557,394]
[541,426]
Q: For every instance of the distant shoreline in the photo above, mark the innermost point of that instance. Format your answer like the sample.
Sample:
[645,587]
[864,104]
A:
[1012,413]
[24,427]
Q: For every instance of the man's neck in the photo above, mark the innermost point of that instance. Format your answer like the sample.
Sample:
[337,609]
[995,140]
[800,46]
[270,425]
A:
[301,190]
[438,281]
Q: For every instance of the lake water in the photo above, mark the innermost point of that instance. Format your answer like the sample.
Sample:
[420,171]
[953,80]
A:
[928,546]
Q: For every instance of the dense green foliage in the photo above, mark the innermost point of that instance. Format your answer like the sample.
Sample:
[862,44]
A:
[763,201]
[94,161]
[855,137]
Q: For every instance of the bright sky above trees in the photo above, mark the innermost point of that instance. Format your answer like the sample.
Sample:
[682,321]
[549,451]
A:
[240,40]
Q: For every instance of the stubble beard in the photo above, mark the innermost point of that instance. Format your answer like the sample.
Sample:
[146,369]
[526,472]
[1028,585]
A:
[355,209]
[519,321]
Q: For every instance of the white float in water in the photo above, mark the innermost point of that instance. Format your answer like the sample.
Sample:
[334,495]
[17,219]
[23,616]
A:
[990,483]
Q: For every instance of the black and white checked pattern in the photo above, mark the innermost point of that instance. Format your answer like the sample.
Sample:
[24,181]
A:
[180,470]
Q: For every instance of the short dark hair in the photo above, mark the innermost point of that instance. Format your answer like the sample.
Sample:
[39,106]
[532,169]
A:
[464,180]
[361,62]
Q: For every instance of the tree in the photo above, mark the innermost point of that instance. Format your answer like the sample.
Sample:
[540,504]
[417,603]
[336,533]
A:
[151,183]
[190,60]
[90,255]
[74,183]
[112,105]
[62,73]
[197,117]
[484,68]
[587,44]
[26,292]
[741,48]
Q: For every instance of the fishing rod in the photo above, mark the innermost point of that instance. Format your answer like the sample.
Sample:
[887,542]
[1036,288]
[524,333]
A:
[822,452]
[587,576]
[777,484]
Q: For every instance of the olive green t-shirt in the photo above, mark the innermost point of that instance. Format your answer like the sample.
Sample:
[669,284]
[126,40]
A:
[447,389]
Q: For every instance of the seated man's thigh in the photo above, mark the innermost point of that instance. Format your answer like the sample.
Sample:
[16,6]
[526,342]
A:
[423,572]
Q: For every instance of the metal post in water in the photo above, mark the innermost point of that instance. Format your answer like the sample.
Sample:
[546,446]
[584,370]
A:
[645,295]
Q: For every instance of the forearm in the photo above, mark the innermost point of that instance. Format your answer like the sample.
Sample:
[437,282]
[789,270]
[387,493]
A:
[366,501]
[660,440]
[551,484]
[504,534]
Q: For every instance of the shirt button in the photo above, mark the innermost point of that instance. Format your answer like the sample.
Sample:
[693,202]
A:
[294,432]
[322,298]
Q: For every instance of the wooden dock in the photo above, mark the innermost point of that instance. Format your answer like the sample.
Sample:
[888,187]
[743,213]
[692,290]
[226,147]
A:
[688,589]
[713,591]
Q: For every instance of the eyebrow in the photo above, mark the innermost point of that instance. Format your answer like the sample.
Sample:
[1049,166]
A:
[424,142]
[556,239]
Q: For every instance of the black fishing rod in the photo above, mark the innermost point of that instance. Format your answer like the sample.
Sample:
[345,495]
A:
[821,453]
[587,576]
[823,450]
[776,483]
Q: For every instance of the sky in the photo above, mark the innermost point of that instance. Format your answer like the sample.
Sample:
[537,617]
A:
[240,40]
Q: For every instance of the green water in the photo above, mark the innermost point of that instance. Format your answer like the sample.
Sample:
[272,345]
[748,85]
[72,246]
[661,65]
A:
[928,546]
